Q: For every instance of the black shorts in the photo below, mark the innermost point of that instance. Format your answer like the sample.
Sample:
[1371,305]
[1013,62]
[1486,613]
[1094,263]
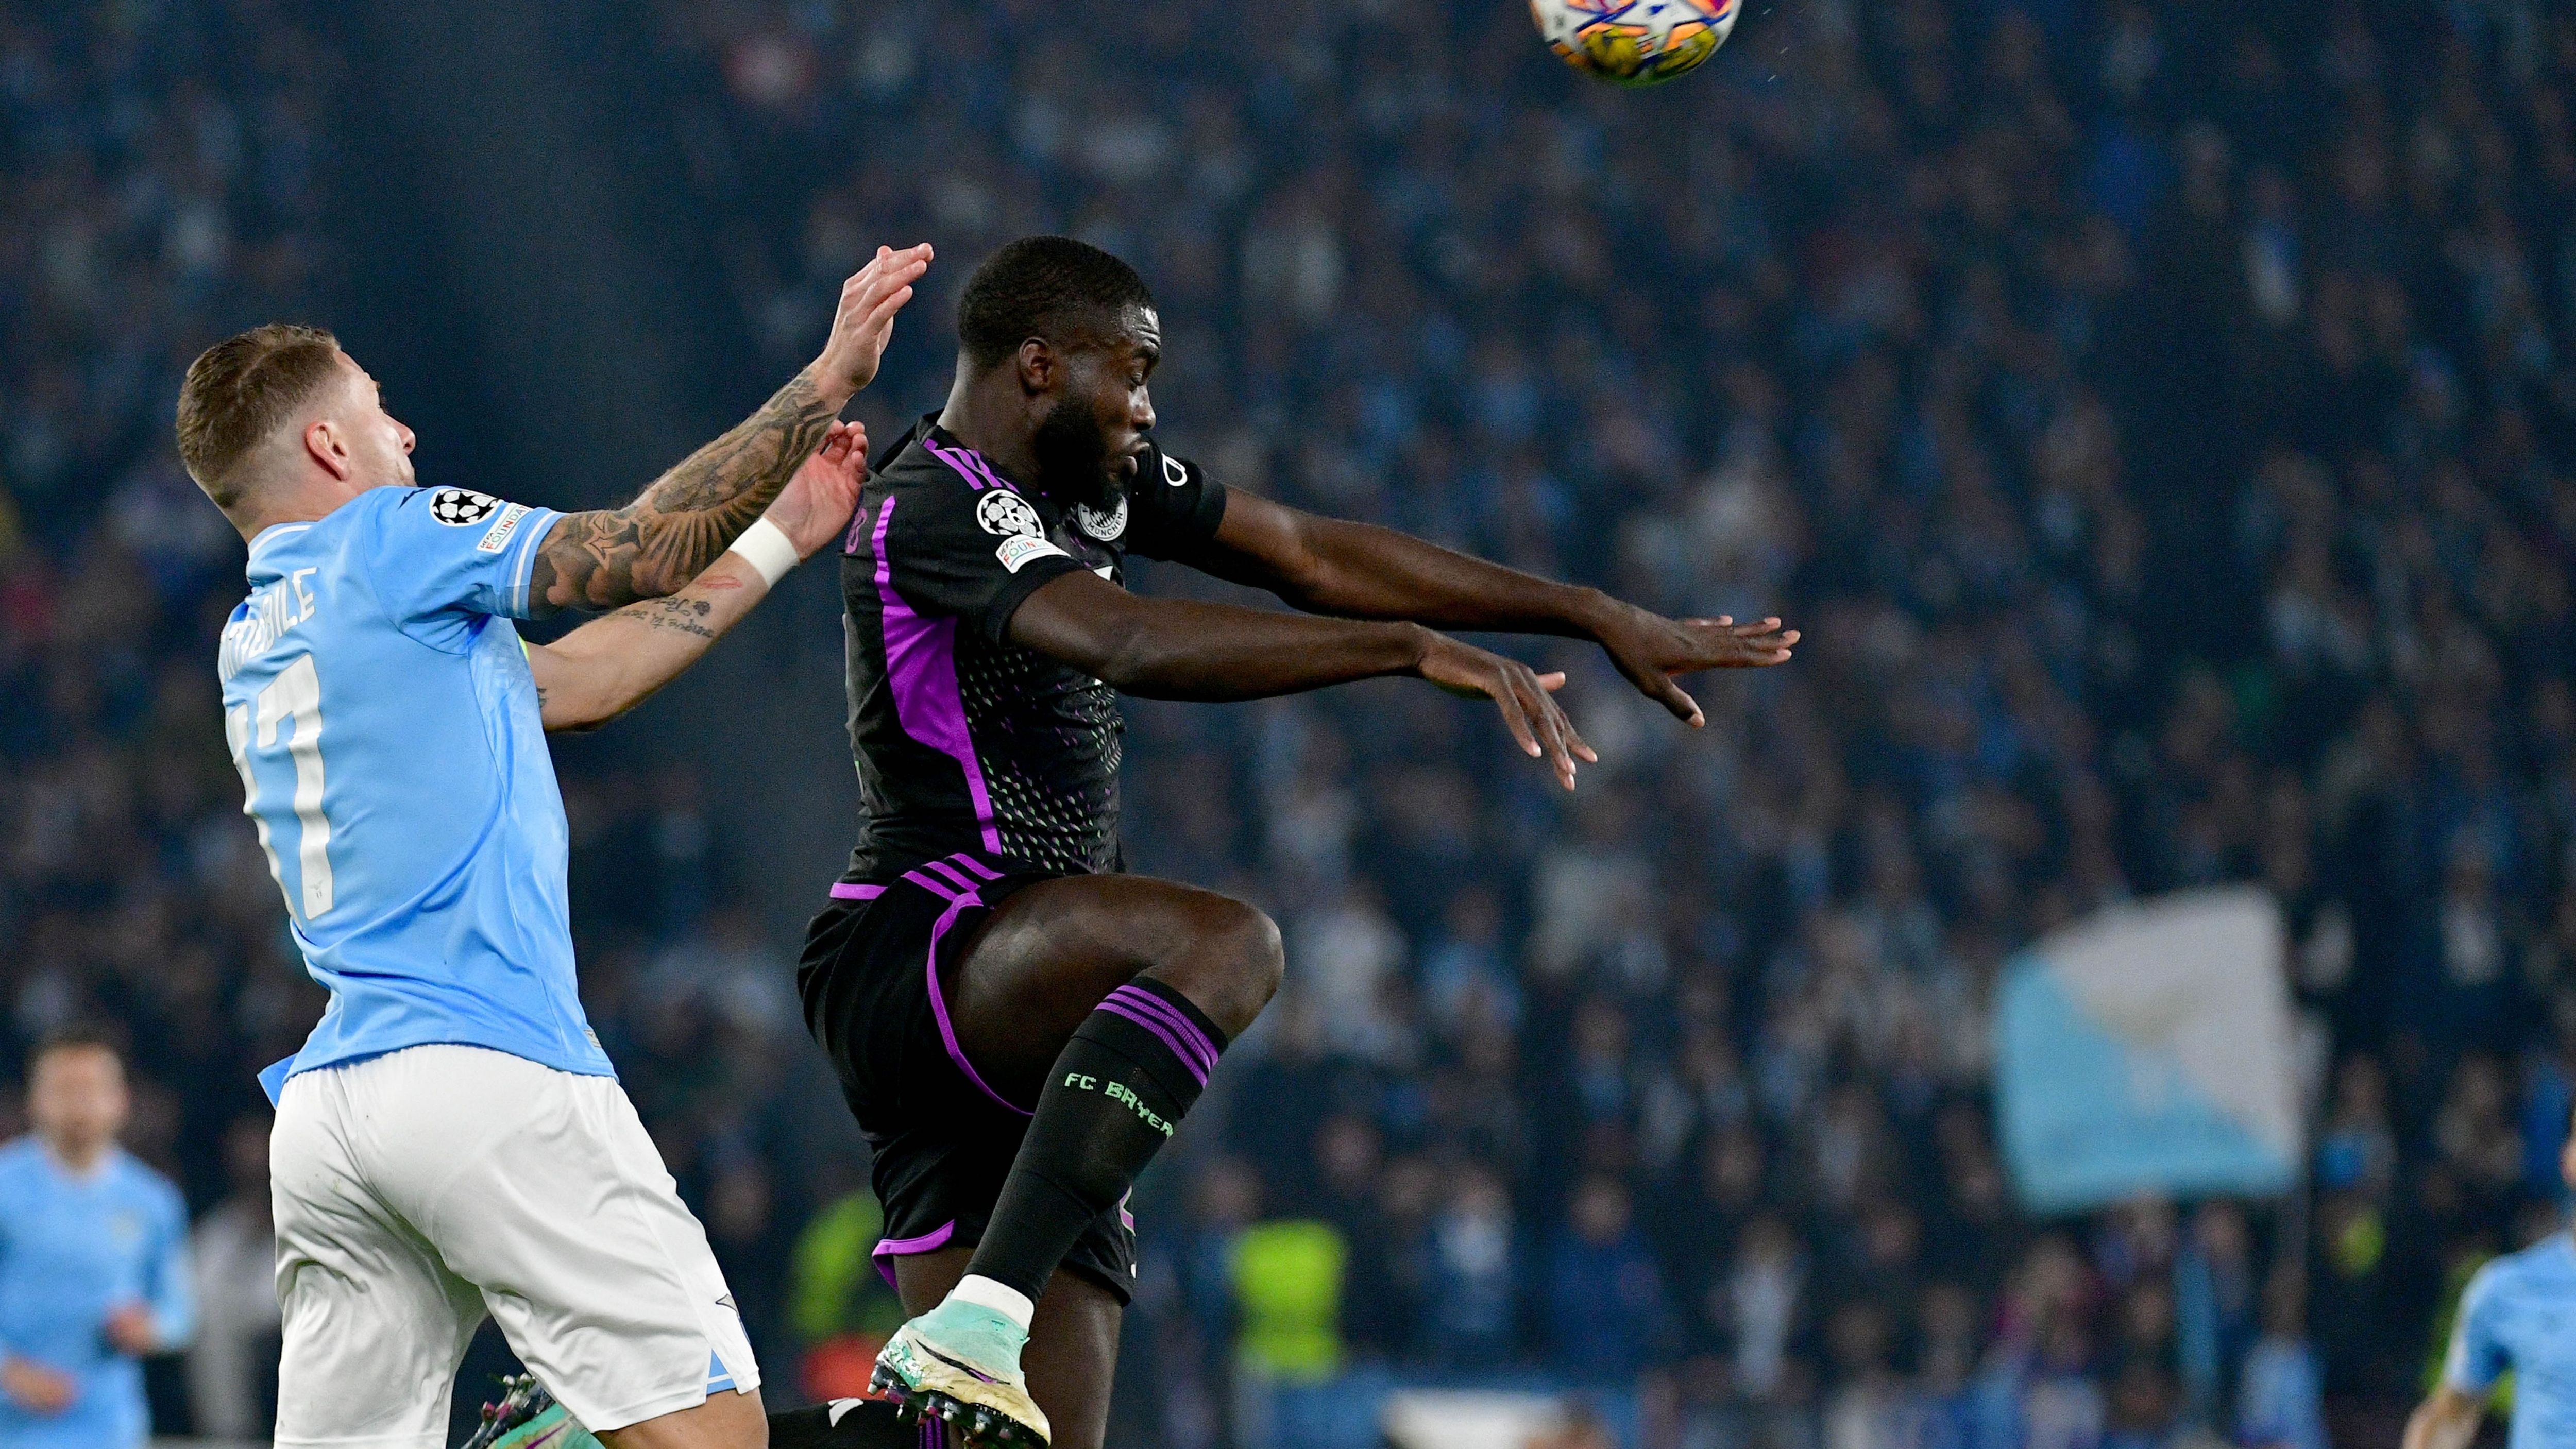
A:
[943,1139]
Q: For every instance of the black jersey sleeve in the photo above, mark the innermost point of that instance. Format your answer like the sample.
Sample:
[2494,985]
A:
[955,550]
[1176,507]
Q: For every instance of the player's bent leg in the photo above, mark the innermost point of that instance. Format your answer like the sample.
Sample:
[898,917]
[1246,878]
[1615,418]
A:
[1117,994]
[1047,956]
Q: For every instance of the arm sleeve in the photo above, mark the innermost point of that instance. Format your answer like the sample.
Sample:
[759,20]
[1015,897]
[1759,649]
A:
[1176,507]
[949,549]
[2477,1356]
[440,559]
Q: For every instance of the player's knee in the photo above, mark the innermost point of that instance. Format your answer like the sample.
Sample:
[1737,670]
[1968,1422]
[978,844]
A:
[1248,946]
[1227,962]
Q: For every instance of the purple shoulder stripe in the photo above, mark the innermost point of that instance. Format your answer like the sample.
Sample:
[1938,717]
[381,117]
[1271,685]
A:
[921,664]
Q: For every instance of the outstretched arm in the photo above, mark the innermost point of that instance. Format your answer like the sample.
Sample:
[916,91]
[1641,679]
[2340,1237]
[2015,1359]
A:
[1183,649]
[1356,570]
[608,557]
[612,664]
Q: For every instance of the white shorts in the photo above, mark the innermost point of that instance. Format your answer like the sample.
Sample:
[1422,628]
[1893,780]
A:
[417,1191]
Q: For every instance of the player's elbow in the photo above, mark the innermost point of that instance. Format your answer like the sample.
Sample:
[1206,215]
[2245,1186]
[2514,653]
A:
[1128,661]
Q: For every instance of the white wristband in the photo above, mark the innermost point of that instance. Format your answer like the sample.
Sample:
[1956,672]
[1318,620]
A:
[765,547]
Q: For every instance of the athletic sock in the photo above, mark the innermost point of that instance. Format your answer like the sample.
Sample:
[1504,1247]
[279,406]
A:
[853,1424]
[1116,1095]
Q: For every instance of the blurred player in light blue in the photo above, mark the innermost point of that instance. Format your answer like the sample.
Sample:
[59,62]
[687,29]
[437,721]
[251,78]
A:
[93,1260]
[451,1141]
[2518,1314]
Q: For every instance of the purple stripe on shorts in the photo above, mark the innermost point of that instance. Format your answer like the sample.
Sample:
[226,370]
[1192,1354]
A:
[969,862]
[1172,1017]
[950,874]
[939,1005]
[1179,1053]
[889,1249]
[853,891]
[921,663]
[932,884]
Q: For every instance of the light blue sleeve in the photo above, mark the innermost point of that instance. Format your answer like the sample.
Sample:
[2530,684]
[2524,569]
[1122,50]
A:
[2477,1357]
[169,1281]
[441,559]
[11,1346]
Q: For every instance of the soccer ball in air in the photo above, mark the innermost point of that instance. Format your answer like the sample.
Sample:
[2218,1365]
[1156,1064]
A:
[1634,42]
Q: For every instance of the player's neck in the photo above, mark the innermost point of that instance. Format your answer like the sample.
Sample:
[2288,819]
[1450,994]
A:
[302,504]
[984,417]
[76,1159]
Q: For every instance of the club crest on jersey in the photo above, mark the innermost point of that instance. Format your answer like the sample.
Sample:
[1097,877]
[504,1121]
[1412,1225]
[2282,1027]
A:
[1104,526]
[1007,513]
[459,507]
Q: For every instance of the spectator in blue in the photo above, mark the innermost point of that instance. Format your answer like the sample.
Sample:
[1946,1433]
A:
[1473,1245]
[2282,1404]
[1605,1294]
[93,1260]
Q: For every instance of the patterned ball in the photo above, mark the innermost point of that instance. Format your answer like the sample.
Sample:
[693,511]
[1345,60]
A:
[1634,42]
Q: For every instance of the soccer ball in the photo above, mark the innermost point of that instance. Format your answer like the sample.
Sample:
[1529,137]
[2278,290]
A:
[1634,42]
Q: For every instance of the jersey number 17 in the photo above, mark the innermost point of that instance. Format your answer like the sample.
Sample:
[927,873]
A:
[294,695]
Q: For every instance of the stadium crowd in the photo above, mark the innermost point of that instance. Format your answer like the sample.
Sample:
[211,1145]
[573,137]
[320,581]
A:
[2162,420]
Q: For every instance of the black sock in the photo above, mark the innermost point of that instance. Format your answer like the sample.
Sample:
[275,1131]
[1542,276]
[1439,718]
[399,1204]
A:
[1132,1069]
[863,1424]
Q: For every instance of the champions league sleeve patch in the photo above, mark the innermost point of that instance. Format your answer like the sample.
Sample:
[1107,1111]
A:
[462,507]
[1007,513]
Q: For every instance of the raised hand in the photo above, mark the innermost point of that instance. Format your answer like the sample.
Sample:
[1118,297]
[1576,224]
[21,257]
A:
[817,502]
[1650,649]
[865,319]
[1525,697]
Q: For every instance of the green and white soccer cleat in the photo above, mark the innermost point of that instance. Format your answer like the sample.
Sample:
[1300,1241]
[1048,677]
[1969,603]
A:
[960,1363]
[529,1418]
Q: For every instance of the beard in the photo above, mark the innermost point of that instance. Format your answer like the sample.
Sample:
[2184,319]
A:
[1072,454]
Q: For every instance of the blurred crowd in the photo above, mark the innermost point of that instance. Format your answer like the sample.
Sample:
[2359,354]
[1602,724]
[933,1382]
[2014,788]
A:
[2161,419]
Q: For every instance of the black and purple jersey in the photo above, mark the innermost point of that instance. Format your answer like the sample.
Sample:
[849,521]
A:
[965,740]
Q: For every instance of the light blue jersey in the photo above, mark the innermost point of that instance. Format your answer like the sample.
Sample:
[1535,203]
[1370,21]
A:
[2519,1313]
[380,711]
[74,1250]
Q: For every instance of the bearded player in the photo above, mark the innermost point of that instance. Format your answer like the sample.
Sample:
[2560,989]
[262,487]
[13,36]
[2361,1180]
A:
[1018,1024]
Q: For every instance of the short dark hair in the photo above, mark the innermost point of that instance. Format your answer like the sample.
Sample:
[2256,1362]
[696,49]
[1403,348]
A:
[77,1037]
[239,389]
[1039,286]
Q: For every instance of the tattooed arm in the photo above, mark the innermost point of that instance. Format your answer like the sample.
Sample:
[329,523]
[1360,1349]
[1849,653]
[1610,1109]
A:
[612,664]
[608,557]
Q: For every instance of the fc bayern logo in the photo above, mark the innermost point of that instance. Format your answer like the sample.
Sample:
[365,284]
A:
[1104,525]
[458,507]
[1004,512]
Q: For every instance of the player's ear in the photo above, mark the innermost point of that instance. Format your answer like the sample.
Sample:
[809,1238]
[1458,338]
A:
[324,445]
[1039,367]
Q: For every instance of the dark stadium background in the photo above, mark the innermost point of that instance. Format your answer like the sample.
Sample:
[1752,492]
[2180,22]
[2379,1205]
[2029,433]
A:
[2161,418]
